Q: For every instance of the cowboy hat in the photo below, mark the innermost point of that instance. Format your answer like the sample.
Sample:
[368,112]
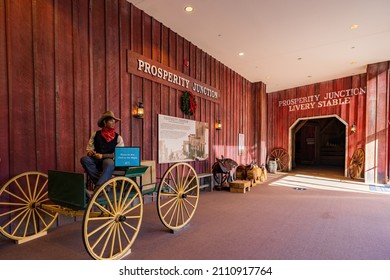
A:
[106,115]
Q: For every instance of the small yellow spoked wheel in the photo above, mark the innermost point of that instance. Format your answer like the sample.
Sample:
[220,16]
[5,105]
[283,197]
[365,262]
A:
[113,219]
[21,215]
[178,196]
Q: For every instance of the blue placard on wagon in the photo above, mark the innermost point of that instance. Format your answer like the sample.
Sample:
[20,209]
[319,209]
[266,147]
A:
[127,156]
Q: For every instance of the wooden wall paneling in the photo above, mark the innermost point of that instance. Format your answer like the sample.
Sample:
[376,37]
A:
[253,132]
[213,73]
[64,86]
[264,124]
[146,35]
[241,128]
[371,107]
[164,109]
[255,121]
[172,50]
[136,29]
[271,115]
[147,120]
[4,95]
[164,45]
[352,119]
[186,57]
[219,147]
[155,108]
[20,86]
[198,64]
[125,94]
[98,61]
[146,88]
[343,83]
[81,79]
[156,40]
[361,112]
[233,107]
[208,69]
[382,122]
[213,116]
[231,113]
[248,121]
[388,125]
[272,135]
[136,132]
[42,22]
[202,66]
[225,117]
[156,88]
[179,53]
[237,108]
[112,57]
[192,61]
[284,122]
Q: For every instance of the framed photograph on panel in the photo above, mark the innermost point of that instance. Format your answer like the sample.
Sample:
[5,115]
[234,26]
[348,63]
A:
[241,145]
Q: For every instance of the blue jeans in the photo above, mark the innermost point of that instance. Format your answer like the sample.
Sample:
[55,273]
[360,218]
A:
[99,170]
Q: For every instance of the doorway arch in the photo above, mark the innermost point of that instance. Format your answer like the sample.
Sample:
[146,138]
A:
[320,146]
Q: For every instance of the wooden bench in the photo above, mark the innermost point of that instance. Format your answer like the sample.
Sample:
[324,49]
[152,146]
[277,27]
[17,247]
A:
[206,180]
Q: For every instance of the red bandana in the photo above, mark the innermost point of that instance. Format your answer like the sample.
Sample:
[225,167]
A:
[108,133]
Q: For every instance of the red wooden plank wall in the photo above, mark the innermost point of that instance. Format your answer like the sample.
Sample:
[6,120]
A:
[62,63]
[377,118]
[281,118]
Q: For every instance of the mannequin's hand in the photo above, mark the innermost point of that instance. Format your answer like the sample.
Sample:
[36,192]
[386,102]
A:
[98,156]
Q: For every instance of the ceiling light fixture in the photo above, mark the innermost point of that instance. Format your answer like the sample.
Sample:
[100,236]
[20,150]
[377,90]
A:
[188,9]
[241,54]
[354,26]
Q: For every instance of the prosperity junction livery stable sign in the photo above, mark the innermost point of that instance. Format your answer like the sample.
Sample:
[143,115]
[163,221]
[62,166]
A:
[149,69]
[334,98]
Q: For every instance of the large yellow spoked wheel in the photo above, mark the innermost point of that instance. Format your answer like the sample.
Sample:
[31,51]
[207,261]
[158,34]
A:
[178,196]
[113,219]
[20,213]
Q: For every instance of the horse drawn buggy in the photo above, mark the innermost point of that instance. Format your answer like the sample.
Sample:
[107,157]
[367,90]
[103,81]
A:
[31,202]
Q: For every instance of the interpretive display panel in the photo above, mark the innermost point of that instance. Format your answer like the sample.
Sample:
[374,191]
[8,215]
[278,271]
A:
[182,139]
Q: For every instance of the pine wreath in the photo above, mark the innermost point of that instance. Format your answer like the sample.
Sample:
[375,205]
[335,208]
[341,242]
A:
[188,103]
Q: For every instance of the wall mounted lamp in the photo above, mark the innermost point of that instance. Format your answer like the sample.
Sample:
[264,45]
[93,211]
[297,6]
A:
[139,111]
[353,128]
[218,125]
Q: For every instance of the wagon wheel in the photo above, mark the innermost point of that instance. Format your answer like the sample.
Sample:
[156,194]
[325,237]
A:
[20,213]
[356,164]
[219,176]
[178,196]
[112,219]
[281,157]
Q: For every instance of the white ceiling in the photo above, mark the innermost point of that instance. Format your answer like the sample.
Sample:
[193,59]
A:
[274,34]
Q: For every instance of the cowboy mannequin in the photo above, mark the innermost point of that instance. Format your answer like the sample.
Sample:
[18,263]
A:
[99,162]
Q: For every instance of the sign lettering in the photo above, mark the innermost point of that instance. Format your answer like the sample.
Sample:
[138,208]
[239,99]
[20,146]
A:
[334,98]
[158,72]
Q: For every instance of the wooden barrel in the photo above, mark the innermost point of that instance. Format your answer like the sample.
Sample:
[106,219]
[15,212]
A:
[272,166]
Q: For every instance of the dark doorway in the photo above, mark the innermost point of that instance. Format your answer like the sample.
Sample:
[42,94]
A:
[319,142]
